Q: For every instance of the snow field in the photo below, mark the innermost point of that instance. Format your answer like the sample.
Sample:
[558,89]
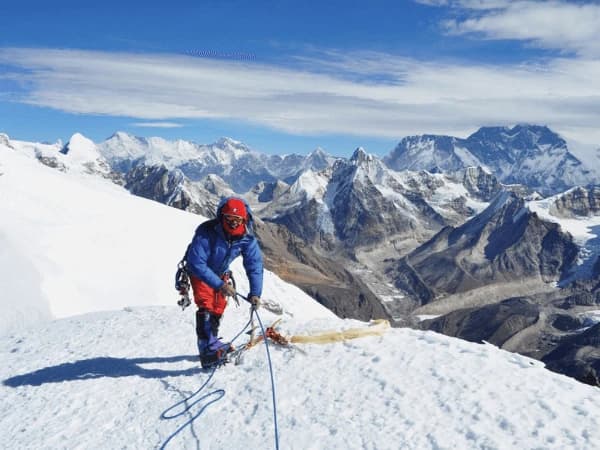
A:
[102,380]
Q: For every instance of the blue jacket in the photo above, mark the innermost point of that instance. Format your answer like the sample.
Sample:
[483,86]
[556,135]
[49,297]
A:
[210,254]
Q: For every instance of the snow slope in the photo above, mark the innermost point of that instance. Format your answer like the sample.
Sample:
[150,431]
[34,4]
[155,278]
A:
[103,380]
[85,243]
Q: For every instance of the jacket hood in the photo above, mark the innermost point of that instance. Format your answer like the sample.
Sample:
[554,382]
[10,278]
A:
[250,218]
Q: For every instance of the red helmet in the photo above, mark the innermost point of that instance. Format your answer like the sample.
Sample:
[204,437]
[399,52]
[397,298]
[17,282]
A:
[234,207]
[234,216]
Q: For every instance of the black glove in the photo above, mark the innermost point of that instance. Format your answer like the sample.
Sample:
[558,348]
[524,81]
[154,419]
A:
[255,301]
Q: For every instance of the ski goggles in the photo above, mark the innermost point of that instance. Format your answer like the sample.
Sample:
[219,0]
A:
[233,221]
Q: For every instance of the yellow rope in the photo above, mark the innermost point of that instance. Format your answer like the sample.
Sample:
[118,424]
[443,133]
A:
[376,328]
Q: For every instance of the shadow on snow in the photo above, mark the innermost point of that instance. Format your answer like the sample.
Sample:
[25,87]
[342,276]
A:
[86,369]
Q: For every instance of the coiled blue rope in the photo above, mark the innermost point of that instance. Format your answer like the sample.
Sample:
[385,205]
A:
[218,393]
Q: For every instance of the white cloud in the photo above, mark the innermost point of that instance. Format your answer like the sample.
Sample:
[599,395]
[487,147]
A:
[157,124]
[331,94]
[558,25]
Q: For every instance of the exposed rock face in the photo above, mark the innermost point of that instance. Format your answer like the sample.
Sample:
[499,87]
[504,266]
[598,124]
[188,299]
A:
[430,152]
[171,188]
[361,203]
[495,323]
[324,279]
[267,192]
[51,161]
[596,269]
[561,328]
[505,242]
[578,202]
[481,184]
[578,356]
[361,214]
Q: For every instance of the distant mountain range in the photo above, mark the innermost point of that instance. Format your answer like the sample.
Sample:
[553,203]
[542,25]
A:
[530,155]
[239,166]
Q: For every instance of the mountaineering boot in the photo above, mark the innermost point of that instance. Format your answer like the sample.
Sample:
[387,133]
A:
[211,349]
[214,353]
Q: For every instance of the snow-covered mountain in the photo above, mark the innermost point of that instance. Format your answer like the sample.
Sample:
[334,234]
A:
[241,167]
[79,155]
[577,212]
[531,155]
[360,202]
[107,379]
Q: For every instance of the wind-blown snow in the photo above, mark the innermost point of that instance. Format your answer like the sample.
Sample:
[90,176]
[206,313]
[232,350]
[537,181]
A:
[102,380]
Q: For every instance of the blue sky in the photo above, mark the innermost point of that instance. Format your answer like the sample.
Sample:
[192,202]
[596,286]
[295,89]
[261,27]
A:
[288,76]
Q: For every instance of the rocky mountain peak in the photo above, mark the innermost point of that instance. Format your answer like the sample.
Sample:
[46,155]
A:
[360,155]
[121,139]
[120,135]
[318,159]
[530,155]
[318,152]
[429,152]
[481,183]
[505,208]
[363,166]
[514,144]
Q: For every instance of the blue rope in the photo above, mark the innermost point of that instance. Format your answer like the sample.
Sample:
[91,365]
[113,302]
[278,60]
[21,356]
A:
[262,329]
[220,393]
